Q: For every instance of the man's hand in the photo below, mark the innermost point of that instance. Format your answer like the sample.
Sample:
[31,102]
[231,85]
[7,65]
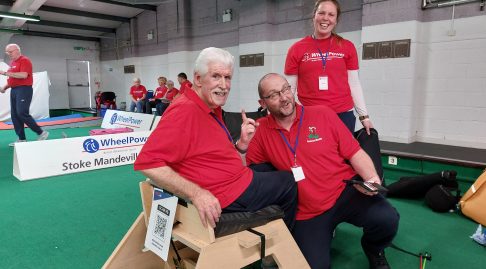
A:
[3,89]
[366,192]
[367,124]
[248,129]
[207,206]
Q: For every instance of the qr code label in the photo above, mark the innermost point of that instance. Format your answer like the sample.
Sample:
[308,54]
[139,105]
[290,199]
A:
[160,227]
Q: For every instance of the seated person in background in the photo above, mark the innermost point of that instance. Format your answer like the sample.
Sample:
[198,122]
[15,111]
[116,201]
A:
[316,145]
[159,94]
[169,96]
[138,93]
[185,84]
[192,155]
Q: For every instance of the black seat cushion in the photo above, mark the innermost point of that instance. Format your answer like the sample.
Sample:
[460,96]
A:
[230,223]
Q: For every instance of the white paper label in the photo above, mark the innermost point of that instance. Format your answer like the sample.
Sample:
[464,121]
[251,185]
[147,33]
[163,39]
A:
[159,230]
[298,173]
[323,83]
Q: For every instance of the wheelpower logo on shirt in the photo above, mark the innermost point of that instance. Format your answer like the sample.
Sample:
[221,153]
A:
[125,120]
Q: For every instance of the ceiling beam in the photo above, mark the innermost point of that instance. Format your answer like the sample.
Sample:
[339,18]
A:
[63,36]
[140,6]
[73,12]
[83,13]
[73,26]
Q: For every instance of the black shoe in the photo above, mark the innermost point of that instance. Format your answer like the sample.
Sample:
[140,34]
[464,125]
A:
[377,260]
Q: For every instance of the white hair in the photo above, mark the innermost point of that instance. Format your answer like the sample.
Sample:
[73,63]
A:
[13,45]
[214,55]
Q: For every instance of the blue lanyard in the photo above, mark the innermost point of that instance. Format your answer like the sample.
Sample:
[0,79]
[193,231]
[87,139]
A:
[223,127]
[294,149]
[324,59]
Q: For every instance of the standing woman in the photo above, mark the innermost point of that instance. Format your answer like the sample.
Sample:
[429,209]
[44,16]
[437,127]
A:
[323,68]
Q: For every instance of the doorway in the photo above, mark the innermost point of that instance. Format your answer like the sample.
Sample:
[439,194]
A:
[79,88]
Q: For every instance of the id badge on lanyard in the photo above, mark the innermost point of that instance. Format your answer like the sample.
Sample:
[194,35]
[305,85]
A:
[297,170]
[323,83]
[298,173]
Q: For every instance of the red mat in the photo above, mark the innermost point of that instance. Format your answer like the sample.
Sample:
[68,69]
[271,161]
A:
[4,126]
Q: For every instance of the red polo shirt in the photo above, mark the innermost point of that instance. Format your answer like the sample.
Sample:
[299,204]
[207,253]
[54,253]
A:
[323,147]
[138,91]
[22,64]
[191,141]
[186,85]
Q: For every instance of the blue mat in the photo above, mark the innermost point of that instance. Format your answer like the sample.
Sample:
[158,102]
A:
[72,116]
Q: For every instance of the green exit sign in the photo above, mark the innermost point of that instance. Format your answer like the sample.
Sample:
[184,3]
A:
[79,48]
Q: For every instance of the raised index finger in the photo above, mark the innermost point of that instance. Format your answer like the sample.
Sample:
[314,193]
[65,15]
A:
[243,115]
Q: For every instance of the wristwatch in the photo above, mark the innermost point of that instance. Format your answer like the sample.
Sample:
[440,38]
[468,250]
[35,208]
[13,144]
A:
[238,149]
[362,118]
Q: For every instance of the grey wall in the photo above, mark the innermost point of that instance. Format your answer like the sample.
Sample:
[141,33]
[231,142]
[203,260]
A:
[189,25]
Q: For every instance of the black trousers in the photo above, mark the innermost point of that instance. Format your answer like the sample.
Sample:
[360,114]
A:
[374,214]
[269,188]
[20,99]
[151,104]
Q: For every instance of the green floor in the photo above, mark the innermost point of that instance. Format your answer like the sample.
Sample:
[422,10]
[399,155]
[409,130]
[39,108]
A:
[75,221]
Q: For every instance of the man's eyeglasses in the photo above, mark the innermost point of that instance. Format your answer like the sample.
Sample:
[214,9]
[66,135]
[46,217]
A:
[275,95]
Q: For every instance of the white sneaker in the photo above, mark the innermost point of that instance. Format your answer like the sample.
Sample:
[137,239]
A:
[43,136]
[18,141]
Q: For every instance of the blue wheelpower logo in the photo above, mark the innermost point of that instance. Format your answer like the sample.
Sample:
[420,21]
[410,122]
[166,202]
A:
[90,145]
[113,118]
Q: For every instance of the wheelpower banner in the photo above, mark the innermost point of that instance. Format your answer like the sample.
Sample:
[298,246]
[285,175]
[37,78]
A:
[39,159]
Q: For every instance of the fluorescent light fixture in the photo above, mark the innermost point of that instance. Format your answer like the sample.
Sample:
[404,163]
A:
[19,16]
[11,31]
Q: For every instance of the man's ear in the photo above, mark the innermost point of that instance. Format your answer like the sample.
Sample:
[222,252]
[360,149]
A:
[197,80]
[262,104]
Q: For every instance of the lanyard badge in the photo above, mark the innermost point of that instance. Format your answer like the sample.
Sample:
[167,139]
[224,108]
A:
[323,79]
[296,169]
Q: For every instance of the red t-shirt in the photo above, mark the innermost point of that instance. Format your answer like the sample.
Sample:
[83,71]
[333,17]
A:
[190,140]
[138,91]
[171,94]
[22,64]
[160,92]
[186,85]
[305,61]
[324,146]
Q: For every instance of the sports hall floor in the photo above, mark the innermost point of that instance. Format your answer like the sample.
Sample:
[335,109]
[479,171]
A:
[75,221]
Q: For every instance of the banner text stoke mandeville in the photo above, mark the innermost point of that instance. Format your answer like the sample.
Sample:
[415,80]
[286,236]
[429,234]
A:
[69,166]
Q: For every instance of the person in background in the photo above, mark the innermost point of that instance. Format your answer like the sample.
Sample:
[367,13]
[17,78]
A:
[20,80]
[184,82]
[159,94]
[317,147]
[169,97]
[138,93]
[191,153]
[323,68]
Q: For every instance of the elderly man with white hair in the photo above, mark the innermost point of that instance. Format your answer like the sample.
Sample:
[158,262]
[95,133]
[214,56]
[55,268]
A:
[20,80]
[191,152]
